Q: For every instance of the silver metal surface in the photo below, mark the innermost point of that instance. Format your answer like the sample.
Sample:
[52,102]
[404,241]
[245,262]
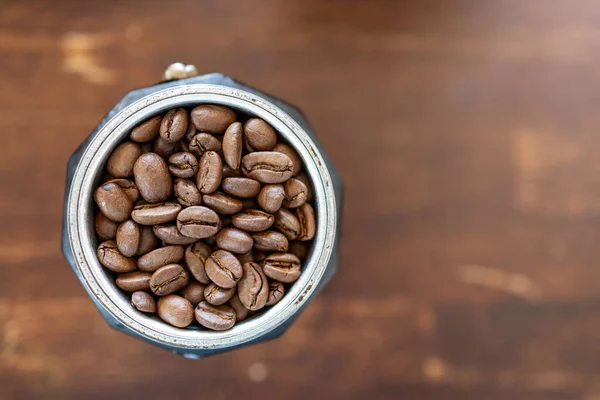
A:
[79,242]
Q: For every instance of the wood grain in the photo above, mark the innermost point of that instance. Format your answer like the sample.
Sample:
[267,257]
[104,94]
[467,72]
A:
[466,133]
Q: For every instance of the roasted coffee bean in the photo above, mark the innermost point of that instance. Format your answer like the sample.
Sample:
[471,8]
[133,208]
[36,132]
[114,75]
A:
[229,172]
[113,202]
[183,165]
[306,217]
[253,288]
[170,234]
[175,310]
[111,258]
[216,295]
[283,267]
[198,222]
[128,186]
[212,118]
[216,318]
[152,178]
[299,249]
[232,145]
[222,203]
[190,132]
[106,229]
[120,163]
[128,238]
[224,269]
[194,292]
[310,194]
[270,241]
[165,149]
[209,172]
[153,214]
[147,130]
[174,125]
[195,257]
[253,220]
[271,197]
[234,240]
[260,135]
[287,223]
[267,166]
[203,142]
[295,193]
[259,256]
[241,312]
[187,193]
[144,302]
[291,153]
[168,279]
[148,241]
[276,292]
[241,187]
[134,281]
[246,257]
[160,257]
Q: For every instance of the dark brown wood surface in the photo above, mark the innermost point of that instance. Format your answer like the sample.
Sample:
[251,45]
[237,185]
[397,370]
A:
[467,133]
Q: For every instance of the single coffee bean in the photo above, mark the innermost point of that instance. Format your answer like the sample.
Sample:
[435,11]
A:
[209,172]
[175,310]
[147,130]
[190,132]
[144,302]
[193,292]
[283,267]
[310,194]
[165,149]
[222,203]
[253,220]
[224,269]
[276,292]
[152,178]
[183,165]
[157,213]
[270,241]
[111,258]
[128,238]
[241,312]
[120,163]
[168,279]
[128,186]
[218,318]
[170,234]
[267,166]
[232,145]
[260,135]
[198,222]
[134,281]
[229,172]
[271,197]
[295,193]
[291,153]
[241,187]
[234,240]
[160,257]
[246,257]
[216,295]
[187,193]
[113,202]
[195,257]
[203,142]
[148,241]
[287,223]
[299,249]
[212,118]
[106,229]
[253,288]
[174,125]
[306,217]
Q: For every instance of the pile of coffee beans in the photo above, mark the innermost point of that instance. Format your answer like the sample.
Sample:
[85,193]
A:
[204,217]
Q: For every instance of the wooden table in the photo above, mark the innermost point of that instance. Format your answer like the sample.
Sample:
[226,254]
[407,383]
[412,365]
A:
[467,133]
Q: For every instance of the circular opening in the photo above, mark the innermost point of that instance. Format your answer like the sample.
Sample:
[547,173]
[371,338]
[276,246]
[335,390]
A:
[99,282]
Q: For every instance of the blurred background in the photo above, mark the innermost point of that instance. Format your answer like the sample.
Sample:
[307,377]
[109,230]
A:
[467,135]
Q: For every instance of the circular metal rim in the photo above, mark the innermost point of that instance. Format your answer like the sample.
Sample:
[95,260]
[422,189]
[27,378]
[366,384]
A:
[79,217]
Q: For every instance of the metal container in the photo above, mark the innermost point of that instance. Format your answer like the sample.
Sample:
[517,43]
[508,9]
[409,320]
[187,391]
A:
[84,172]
